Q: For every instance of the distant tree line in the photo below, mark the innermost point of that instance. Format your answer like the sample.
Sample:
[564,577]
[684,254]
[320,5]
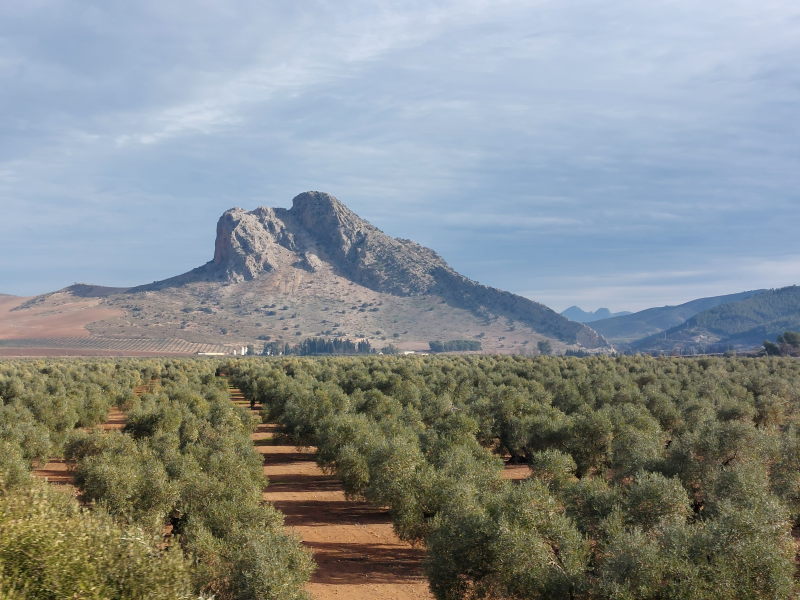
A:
[738,317]
[455,346]
[788,344]
[577,353]
[318,346]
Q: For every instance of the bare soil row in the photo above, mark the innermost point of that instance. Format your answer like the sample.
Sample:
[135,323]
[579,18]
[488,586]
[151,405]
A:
[59,472]
[359,556]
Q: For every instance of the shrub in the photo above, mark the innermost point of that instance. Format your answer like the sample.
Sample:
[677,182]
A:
[52,549]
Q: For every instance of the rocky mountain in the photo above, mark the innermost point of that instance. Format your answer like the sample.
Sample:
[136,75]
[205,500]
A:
[318,231]
[577,314]
[318,269]
[630,328]
[738,325]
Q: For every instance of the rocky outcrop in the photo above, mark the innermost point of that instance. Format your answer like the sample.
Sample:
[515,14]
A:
[249,243]
[319,232]
[318,228]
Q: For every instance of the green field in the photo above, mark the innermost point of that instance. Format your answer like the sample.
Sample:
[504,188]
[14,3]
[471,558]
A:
[650,478]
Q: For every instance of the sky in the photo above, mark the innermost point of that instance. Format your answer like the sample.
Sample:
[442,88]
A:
[623,154]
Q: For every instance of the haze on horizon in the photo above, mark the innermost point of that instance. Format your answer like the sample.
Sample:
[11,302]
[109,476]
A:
[626,155]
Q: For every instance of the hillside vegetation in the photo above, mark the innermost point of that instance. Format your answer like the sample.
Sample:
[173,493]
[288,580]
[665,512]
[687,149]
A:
[787,344]
[638,325]
[742,324]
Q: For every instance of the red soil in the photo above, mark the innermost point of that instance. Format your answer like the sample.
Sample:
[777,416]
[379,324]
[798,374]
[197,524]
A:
[516,472]
[48,321]
[359,556]
[58,471]
[115,420]
[34,352]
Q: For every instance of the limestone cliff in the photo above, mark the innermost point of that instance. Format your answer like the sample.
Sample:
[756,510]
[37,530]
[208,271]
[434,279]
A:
[320,234]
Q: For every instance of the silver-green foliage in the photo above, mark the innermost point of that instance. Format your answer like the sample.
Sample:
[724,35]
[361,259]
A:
[51,549]
[650,478]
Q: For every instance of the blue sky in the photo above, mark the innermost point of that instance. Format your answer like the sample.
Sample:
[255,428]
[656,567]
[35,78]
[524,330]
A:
[622,154]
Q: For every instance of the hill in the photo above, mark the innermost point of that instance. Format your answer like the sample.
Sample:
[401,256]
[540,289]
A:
[577,314]
[317,269]
[638,325]
[735,325]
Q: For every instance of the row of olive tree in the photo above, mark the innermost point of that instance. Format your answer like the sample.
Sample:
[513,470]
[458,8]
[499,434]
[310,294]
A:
[185,462]
[44,402]
[650,478]
[50,547]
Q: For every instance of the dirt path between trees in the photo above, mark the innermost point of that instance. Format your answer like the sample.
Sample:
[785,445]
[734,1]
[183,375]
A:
[58,471]
[359,556]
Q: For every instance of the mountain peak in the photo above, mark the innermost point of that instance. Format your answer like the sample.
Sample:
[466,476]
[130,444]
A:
[317,202]
[577,314]
[319,237]
[319,230]
[331,224]
[323,214]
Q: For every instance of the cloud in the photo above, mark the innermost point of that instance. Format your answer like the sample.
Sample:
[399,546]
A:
[639,290]
[534,144]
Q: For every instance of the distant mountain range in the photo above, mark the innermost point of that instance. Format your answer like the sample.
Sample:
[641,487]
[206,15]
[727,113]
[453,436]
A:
[284,275]
[736,325]
[575,313]
[638,325]
[717,324]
